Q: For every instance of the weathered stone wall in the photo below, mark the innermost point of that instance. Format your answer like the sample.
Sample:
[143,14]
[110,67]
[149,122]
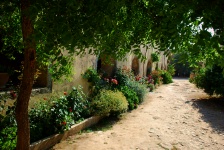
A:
[80,66]
[87,61]
[143,66]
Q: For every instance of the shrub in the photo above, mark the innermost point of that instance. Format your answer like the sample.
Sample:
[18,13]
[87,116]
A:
[156,76]
[211,80]
[123,76]
[139,89]
[57,114]
[166,77]
[109,102]
[96,82]
[151,87]
[91,75]
[8,128]
[131,97]
[8,138]
[171,70]
[78,103]
[50,117]
[155,57]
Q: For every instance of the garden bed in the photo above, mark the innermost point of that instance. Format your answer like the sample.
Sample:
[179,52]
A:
[50,141]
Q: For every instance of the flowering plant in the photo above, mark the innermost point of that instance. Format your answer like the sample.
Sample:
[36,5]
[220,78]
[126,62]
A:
[114,81]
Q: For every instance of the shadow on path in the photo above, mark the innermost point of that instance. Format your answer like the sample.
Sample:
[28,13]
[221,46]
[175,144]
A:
[104,124]
[212,110]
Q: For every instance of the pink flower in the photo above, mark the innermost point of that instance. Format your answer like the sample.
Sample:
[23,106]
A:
[114,81]
[137,78]
[13,94]
[106,79]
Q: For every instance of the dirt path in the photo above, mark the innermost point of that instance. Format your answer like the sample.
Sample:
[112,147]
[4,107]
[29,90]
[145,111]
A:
[173,117]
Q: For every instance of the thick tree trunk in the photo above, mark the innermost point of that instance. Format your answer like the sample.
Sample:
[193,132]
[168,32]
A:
[23,133]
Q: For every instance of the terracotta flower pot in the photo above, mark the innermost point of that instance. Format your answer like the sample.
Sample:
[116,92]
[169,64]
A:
[4,77]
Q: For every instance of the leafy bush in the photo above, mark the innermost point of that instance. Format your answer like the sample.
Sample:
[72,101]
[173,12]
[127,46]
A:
[137,84]
[139,89]
[171,70]
[123,76]
[155,57]
[8,138]
[156,76]
[8,128]
[96,82]
[151,87]
[57,114]
[78,103]
[131,97]
[91,75]
[166,77]
[211,80]
[109,102]
[48,118]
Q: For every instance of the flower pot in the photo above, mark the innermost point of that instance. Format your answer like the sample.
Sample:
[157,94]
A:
[4,77]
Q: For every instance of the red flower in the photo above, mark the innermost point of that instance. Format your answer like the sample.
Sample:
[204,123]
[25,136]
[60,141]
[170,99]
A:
[13,94]
[114,81]
[45,98]
[137,78]
[63,123]
[65,93]
[70,109]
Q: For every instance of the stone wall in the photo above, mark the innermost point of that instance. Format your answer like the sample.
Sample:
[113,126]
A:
[87,61]
[144,66]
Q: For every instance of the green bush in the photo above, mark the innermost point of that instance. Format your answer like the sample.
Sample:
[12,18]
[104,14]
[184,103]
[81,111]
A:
[41,121]
[131,97]
[166,77]
[139,89]
[171,69]
[155,57]
[8,138]
[91,75]
[156,76]
[210,80]
[96,82]
[57,114]
[123,76]
[50,117]
[151,87]
[8,128]
[78,103]
[109,102]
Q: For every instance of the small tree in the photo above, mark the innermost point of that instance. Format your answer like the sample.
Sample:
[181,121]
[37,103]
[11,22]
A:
[43,30]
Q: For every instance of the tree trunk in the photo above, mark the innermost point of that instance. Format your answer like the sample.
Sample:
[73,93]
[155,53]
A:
[22,118]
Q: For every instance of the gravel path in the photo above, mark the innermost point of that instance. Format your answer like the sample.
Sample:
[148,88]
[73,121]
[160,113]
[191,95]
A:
[175,116]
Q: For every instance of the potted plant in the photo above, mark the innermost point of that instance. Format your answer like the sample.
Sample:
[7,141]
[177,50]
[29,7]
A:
[5,72]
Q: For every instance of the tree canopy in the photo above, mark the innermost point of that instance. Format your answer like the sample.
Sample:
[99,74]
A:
[191,27]
[44,30]
[72,26]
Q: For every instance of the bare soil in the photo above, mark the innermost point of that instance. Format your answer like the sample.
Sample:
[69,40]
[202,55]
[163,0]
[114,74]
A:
[175,116]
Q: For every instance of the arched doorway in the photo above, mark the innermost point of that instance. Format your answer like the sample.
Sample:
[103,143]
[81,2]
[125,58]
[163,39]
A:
[149,67]
[106,66]
[135,66]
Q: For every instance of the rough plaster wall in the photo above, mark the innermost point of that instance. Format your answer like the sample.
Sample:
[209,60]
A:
[80,66]
[143,65]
